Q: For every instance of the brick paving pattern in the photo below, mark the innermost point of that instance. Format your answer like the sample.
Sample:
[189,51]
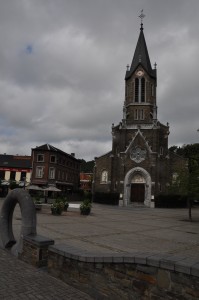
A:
[20,281]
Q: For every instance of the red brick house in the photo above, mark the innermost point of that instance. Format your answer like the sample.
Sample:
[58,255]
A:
[54,167]
[86,181]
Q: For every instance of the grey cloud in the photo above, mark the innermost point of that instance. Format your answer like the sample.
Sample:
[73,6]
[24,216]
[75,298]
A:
[69,88]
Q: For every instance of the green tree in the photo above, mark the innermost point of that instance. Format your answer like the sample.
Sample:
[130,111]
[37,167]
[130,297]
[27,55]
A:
[187,183]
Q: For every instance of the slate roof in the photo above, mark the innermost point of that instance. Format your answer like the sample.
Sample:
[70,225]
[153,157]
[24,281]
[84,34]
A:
[141,57]
[15,161]
[48,147]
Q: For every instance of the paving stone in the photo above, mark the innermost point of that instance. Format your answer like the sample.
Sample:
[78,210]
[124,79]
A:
[136,234]
[26,282]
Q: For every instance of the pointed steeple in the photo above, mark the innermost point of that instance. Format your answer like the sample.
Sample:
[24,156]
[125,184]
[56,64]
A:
[141,57]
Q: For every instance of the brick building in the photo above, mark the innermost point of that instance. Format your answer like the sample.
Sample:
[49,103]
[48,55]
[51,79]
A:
[139,166]
[86,181]
[15,168]
[53,167]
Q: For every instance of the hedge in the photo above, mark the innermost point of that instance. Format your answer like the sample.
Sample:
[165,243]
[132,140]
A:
[170,201]
[106,198]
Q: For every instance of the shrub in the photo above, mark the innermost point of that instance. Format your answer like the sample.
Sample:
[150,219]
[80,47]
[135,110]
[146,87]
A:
[62,200]
[85,207]
[170,201]
[57,207]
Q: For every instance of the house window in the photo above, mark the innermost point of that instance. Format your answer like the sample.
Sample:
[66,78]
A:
[104,176]
[39,172]
[2,175]
[161,150]
[51,173]
[23,176]
[12,175]
[40,157]
[53,159]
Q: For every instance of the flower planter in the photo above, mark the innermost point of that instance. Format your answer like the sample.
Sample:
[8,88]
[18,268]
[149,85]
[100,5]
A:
[56,212]
[38,206]
[85,211]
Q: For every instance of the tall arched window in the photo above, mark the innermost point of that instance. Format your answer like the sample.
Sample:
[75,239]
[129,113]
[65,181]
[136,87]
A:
[104,176]
[142,89]
[136,90]
[139,90]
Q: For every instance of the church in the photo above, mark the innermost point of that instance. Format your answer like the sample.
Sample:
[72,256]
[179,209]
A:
[139,167]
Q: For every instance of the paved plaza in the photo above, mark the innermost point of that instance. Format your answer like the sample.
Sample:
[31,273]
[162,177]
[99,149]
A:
[108,230]
[112,229]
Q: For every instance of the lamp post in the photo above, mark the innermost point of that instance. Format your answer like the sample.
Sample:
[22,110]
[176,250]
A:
[24,180]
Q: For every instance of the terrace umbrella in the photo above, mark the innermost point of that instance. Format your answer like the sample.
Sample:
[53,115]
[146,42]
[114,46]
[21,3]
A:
[34,187]
[52,189]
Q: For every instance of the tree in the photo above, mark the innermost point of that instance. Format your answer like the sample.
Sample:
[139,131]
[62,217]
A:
[187,184]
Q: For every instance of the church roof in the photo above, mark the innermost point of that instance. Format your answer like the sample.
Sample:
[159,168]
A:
[141,57]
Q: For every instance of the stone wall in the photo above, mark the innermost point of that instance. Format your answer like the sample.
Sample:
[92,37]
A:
[35,250]
[140,276]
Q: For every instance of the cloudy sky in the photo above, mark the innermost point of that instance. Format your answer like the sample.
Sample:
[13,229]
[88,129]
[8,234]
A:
[62,68]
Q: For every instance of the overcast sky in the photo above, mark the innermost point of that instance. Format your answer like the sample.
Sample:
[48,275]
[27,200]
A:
[62,68]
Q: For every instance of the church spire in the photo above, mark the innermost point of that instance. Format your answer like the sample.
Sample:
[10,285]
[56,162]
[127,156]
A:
[141,16]
[141,55]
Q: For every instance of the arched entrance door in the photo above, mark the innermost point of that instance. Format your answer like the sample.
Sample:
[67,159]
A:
[137,188]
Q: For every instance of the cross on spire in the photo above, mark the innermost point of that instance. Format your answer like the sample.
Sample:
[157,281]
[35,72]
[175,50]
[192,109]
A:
[141,16]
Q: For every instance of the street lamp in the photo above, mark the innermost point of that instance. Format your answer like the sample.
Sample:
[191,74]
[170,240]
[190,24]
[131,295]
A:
[24,180]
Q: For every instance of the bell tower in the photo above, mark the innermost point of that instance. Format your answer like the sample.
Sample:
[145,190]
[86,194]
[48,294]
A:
[140,86]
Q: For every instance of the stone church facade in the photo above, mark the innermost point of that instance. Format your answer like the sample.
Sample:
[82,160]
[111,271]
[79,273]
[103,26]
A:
[139,166]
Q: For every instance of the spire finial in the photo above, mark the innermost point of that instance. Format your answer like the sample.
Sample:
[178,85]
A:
[141,16]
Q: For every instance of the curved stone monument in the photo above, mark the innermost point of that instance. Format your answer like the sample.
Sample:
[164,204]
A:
[28,214]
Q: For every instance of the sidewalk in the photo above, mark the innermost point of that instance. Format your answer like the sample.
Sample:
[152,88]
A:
[20,281]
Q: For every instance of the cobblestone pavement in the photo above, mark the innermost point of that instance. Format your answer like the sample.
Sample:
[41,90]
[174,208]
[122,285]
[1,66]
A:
[108,230]
[20,281]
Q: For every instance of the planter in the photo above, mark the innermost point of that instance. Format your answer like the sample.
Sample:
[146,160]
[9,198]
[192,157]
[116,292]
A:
[56,211]
[66,205]
[38,206]
[85,207]
[85,210]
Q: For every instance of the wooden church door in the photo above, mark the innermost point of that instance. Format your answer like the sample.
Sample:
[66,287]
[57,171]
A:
[137,192]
